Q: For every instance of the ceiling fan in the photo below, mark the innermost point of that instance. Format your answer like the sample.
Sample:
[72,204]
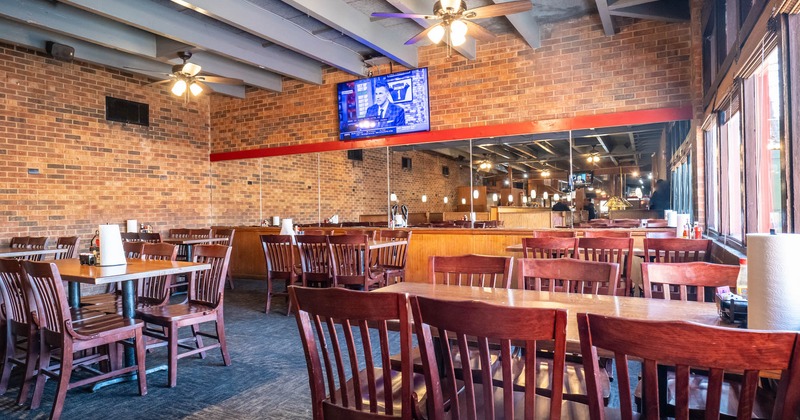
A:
[455,20]
[186,78]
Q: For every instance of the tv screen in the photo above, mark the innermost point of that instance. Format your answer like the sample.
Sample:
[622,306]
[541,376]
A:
[582,179]
[394,103]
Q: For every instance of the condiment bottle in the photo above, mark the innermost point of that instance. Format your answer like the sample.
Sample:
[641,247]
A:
[686,231]
[698,233]
[741,280]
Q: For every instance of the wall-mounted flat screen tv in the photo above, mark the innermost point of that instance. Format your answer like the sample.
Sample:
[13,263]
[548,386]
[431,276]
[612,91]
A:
[582,179]
[384,105]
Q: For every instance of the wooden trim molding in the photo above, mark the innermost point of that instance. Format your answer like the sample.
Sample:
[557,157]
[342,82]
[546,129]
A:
[649,116]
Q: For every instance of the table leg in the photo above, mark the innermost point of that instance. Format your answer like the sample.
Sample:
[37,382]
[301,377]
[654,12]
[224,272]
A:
[128,311]
[74,294]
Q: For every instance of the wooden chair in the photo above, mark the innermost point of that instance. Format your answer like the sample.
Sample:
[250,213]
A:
[700,275]
[616,250]
[70,243]
[133,249]
[572,276]
[350,262]
[315,260]
[607,233]
[550,247]
[17,324]
[130,236]
[392,260]
[58,331]
[150,237]
[281,265]
[183,250]
[31,242]
[674,250]
[226,233]
[374,392]
[555,233]
[19,242]
[471,270]
[200,233]
[204,304]
[370,233]
[687,345]
[662,234]
[490,392]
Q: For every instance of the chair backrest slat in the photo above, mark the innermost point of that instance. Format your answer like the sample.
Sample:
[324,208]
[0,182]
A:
[686,346]
[605,249]
[314,258]
[471,270]
[70,243]
[278,253]
[17,300]
[326,319]
[208,285]
[393,256]
[441,318]
[156,289]
[567,275]
[700,275]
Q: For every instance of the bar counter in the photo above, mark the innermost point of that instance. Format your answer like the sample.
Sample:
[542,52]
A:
[247,258]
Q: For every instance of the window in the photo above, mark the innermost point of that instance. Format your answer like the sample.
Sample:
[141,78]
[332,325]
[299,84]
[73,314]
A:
[762,90]
[732,172]
[712,179]
[682,187]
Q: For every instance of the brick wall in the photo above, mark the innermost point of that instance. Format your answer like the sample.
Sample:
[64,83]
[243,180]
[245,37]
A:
[93,171]
[577,71]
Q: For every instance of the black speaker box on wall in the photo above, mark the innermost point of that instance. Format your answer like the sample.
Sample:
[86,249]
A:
[60,51]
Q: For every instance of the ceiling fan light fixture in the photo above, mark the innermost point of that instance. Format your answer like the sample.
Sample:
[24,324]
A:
[436,34]
[457,40]
[196,89]
[458,28]
[179,88]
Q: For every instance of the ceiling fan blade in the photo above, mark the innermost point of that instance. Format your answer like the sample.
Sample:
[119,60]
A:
[191,69]
[418,37]
[379,16]
[160,82]
[499,9]
[206,88]
[478,32]
[221,80]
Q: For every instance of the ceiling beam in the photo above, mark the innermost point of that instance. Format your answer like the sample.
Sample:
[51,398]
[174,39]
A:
[181,27]
[608,152]
[661,11]
[347,20]
[605,17]
[265,24]
[79,24]
[633,148]
[526,25]
[619,4]
[36,38]
[424,7]
[228,68]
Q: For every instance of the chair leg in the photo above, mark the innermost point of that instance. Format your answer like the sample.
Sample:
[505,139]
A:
[44,361]
[63,381]
[140,365]
[32,355]
[230,278]
[223,345]
[288,298]
[172,370]
[8,354]
[269,295]
[198,340]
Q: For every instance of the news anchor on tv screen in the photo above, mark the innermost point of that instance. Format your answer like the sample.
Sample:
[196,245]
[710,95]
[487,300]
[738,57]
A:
[384,105]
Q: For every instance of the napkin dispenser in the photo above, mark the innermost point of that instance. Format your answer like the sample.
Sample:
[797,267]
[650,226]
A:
[731,307]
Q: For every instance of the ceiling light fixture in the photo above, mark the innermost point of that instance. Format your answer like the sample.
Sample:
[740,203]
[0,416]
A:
[593,158]
[485,165]
[545,173]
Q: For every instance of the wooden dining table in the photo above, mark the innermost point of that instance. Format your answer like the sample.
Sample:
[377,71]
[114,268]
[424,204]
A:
[618,306]
[8,252]
[75,273]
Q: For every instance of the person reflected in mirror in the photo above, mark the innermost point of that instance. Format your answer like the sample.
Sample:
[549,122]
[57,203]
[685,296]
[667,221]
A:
[383,111]
[589,207]
[561,205]
[659,201]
